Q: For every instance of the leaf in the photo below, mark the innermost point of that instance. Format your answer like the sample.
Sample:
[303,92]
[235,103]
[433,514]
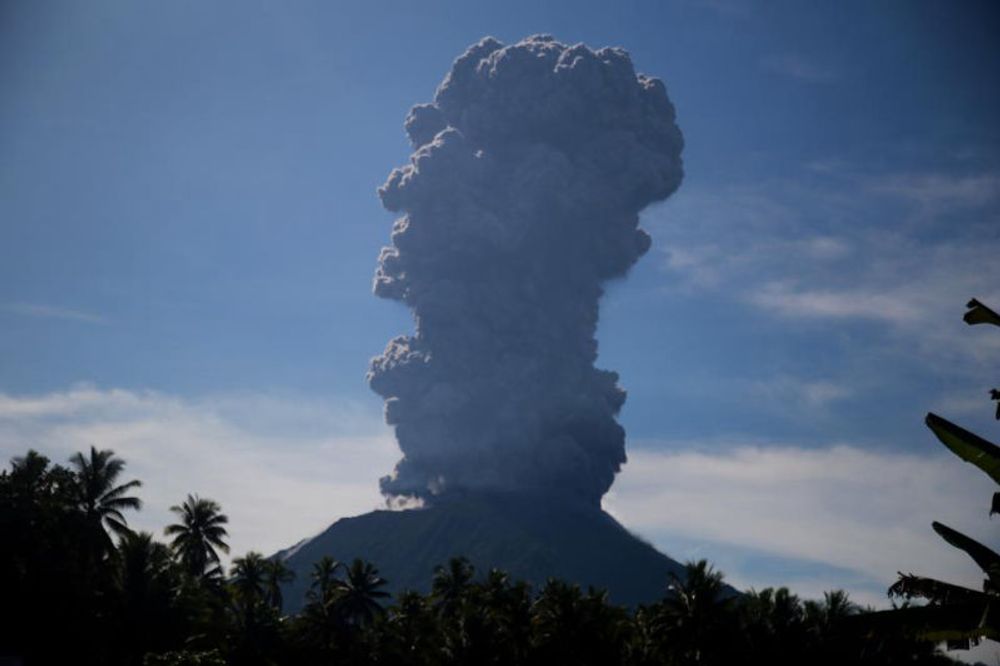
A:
[935,591]
[966,445]
[952,622]
[987,560]
[980,314]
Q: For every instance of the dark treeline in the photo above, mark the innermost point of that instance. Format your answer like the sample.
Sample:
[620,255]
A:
[80,587]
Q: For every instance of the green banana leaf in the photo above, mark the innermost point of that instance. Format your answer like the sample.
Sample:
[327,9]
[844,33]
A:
[987,560]
[951,622]
[980,314]
[966,445]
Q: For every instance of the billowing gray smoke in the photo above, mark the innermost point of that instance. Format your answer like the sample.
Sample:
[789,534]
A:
[522,197]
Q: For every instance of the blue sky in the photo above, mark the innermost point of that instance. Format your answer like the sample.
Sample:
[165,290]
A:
[189,227]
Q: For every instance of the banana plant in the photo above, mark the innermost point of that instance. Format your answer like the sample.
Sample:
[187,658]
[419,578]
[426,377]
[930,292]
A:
[956,614]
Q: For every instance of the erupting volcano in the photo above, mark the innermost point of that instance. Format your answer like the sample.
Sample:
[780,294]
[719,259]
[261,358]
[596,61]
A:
[521,199]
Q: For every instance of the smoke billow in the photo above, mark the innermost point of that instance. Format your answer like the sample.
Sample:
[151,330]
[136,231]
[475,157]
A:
[522,197]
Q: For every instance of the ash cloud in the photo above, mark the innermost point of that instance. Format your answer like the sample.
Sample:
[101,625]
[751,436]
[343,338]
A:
[522,197]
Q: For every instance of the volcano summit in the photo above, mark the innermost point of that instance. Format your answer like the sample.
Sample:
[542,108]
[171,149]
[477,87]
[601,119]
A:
[522,197]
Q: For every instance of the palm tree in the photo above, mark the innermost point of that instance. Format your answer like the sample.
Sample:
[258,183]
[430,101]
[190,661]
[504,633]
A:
[698,612]
[249,578]
[146,585]
[101,501]
[256,623]
[199,534]
[319,619]
[277,573]
[360,592]
[450,585]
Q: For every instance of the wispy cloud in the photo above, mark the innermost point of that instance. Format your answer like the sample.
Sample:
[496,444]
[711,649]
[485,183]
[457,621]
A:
[786,299]
[850,509]
[937,192]
[905,250]
[51,312]
[798,67]
[282,466]
[784,391]
[285,466]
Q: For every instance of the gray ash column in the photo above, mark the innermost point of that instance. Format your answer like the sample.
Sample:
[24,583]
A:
[521,199]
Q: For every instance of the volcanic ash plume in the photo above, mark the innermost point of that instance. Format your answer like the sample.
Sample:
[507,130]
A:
[521,198]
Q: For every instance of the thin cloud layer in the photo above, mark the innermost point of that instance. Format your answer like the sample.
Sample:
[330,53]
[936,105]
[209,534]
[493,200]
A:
[283,467]
[40,311]
[902,251]
[858,515]
[864,513]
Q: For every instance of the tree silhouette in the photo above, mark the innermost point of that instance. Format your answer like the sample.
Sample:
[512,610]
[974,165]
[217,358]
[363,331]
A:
[361,590]
[101,501]
[697,613]
[959,615]
[200,534]
[277,574]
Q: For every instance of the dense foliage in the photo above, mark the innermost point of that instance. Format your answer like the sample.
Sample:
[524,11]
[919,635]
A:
[80,587]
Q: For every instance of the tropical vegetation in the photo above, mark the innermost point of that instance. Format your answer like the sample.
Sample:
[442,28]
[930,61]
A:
[960,615]
[81,587]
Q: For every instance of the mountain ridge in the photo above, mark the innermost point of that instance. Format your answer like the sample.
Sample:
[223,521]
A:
[533,538]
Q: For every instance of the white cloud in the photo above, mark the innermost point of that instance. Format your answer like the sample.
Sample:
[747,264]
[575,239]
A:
[283,467]
[788,300]
[783,391]
[863,511]
[903,250]
[937,192]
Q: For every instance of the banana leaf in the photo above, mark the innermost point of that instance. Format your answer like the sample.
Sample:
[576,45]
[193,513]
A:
[980,314]
[951,622]
[936,591]
[966,445]
[987,560]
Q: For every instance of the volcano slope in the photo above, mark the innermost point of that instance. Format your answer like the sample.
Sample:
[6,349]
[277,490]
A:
[531,538]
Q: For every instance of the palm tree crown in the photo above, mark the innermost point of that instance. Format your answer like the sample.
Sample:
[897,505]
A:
[199,534]
[277,574]
[360,592]
[101,501]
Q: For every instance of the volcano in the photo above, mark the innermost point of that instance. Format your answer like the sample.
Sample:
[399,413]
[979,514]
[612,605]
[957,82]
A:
[521,199]
[531,538]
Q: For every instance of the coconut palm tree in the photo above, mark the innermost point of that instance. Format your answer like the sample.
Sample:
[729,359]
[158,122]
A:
[97,496]
[256,624]
[146,586]
[358,600]
[451,584]
[324,580]
[319,619]
[698,613]
[249,578]
[199,535]
[277,573]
